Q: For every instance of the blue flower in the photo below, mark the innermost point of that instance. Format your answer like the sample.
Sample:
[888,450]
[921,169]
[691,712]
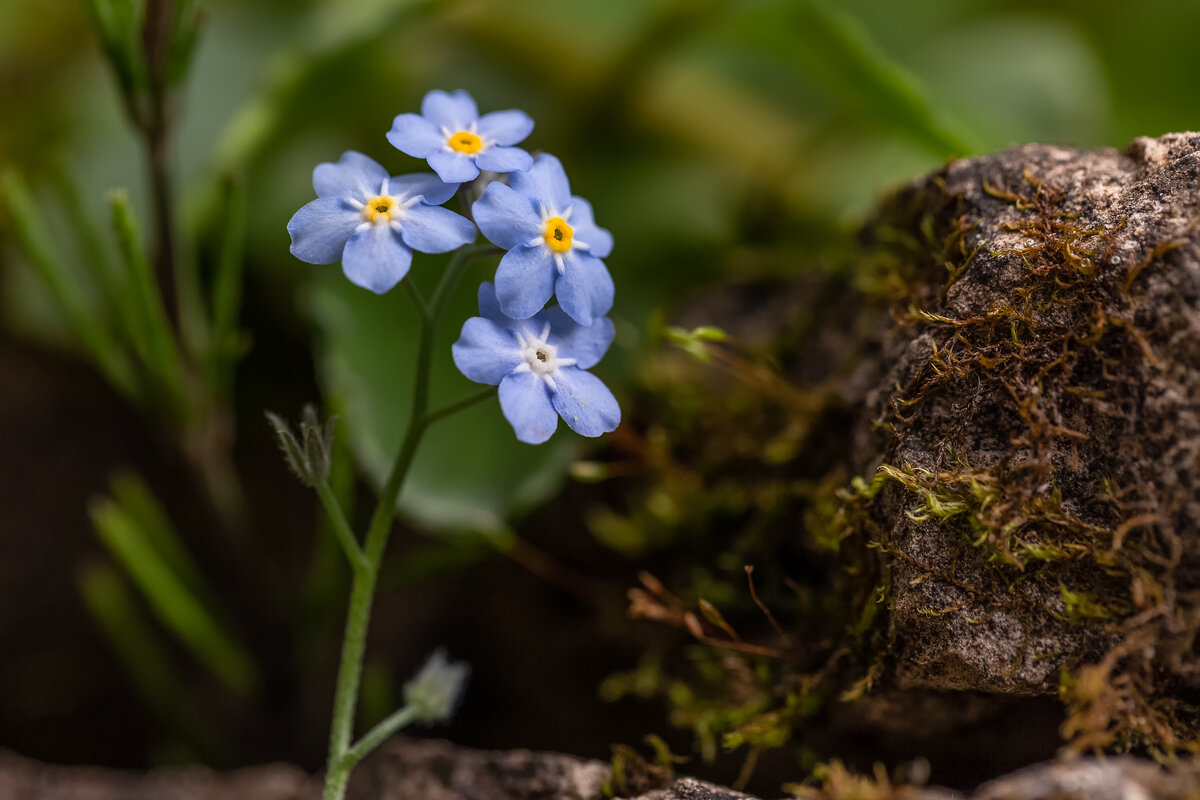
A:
[553,244]
[372,222]
[457,141]
[539,365]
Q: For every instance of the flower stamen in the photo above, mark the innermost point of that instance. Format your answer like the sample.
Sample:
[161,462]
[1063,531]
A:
[541,358]
[465,142]
[558,235]
[379,209]
[387,209]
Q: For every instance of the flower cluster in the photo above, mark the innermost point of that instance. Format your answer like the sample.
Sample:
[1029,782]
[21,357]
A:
[537,355]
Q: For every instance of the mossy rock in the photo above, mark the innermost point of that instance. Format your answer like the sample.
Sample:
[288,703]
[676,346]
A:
[1037,511]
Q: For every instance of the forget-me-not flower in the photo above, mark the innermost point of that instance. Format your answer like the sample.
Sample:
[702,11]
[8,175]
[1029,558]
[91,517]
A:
[539,366]
[373,222]
[457,142]
[553,244]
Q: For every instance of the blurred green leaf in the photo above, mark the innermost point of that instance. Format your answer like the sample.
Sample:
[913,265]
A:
[838,53]
[119,25]
[170,599]
[181,43]
[100,260]
[1019,77]
[132,494]
[226,344]
[145,661]
[470,471]
[135,643]
[155,340]
[39,248]
[689,342]
[332,29]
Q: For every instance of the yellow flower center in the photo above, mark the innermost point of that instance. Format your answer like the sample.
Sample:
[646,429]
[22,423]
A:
[465,142]
[558,234]
[379,209]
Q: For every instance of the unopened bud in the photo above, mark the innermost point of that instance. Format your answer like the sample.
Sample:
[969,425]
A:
[437,688]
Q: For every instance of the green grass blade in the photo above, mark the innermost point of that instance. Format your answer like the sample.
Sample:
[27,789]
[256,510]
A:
[836,51]
[227,345]
[132,495]
[38,248]
[101,261]
[175,606]
[145,661]
[155,338]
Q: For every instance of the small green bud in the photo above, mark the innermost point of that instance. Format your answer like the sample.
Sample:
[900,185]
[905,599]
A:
[308,456]
[436,689]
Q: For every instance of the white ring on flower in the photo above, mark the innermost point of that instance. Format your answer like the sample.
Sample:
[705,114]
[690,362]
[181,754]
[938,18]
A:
[540,358]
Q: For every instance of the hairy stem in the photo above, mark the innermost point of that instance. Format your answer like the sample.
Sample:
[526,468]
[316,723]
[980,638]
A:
[343,755]
[363,588]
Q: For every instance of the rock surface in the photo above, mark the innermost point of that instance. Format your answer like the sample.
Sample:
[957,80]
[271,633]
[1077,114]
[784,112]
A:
[433,770]
[400,770]
[1094,779]
[1040,419]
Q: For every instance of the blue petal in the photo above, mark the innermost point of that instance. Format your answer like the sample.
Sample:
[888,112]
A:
[430,186]
[545,182]
[587,344]
[505,127]
[433,229]
[598,240]
[585,403]
[376,259]
[453,167]
[486,352]
[320,229]
[489,306]
[525,281]
[415,135]
[504,159]
[354,175]
[507,218]
[585,289]
[526,404]
[454,111]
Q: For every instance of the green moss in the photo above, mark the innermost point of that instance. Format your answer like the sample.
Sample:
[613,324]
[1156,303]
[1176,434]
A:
[834,781]
[764,667]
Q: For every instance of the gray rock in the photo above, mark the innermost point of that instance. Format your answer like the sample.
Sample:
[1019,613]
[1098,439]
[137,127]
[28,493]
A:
[1041,404]
[400,769]
[1095,779]
[434,770]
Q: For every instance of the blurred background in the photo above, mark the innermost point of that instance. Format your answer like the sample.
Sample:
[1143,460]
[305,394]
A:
[722,143]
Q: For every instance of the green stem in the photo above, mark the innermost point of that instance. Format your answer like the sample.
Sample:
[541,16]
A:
[374,737]
[346,695]
[459,405]
[342,755]
[459,262]
[363,587]
[341,527]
